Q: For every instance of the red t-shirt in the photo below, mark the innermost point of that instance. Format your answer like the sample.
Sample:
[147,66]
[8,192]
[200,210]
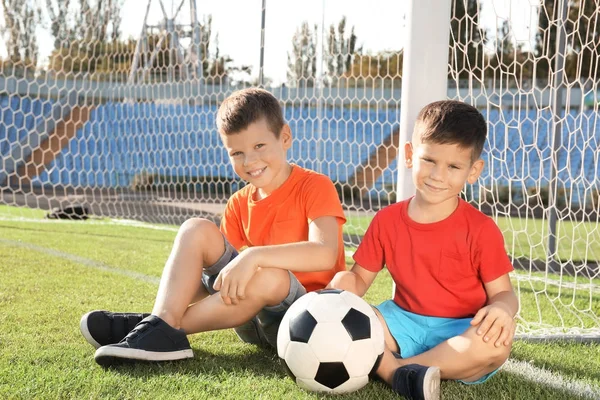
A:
[283,217]
[438,268]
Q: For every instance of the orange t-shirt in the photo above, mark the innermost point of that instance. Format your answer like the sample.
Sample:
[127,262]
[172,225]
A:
[283,217]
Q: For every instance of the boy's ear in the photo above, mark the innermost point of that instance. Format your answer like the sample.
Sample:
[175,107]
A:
[286,136]
[475,171]
[408,155]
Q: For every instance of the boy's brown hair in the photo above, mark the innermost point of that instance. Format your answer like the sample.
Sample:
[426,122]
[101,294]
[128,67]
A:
[452,122]
[247,106]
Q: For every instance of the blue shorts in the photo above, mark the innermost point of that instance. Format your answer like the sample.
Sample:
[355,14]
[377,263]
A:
[415,334]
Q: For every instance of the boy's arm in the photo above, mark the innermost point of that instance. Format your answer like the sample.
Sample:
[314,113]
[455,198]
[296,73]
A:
[318,253]
[358,280]
[500,292]
[496,319]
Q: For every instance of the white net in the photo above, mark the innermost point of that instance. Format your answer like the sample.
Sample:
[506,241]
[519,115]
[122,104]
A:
[536,76]
[119,118]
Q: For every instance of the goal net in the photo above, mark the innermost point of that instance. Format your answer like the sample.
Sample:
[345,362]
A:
[120,122]
[536,78]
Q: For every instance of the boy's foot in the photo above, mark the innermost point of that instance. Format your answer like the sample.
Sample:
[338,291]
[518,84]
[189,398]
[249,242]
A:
[100,328]
[151,340]
[417,382]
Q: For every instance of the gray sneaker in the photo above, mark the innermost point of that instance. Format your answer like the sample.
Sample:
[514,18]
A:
[100,328]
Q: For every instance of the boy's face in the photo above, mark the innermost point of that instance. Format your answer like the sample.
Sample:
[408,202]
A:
[440,172]
[258,157]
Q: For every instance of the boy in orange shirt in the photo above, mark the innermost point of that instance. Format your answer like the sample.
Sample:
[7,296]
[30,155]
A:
[289,218]
[453,307]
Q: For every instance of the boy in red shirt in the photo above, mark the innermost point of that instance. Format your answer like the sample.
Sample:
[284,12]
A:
[288,219]
[453,307]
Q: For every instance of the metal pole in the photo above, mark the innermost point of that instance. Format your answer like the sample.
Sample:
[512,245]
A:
[196,41]
[557,109]
[424,73]
[318,88]
[136,54]
[261,81]
[170,32]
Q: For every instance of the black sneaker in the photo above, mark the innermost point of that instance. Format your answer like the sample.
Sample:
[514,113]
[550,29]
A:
[416,382]
[151,340]
[100,328]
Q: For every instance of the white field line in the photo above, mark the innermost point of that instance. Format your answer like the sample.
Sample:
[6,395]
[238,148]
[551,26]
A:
[551,379]
[103,221]
[520,368]
[81,260]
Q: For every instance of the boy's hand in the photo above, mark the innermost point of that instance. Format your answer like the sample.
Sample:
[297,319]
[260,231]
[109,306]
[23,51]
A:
[495,323]
[234,278]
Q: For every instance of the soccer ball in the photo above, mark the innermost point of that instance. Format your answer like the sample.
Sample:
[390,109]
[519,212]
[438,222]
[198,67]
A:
[329,341]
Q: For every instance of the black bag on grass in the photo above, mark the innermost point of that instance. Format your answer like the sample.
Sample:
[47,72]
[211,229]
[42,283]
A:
[75,212]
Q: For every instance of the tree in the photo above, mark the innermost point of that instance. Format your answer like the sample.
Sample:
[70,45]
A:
[21,18]
[86,37]
[87,21]
[97,18]
[509,65]
[112,58]
[58,12]
[466,40]
[583,60]
[339,52]
[302,64]
[582,29]
[380,70]
[221,69]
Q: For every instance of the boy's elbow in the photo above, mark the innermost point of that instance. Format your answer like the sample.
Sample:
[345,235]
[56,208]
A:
[348,280]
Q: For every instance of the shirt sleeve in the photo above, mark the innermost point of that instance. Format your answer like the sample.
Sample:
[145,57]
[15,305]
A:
[231,225]
[322,200]
[370,253]
[490,254]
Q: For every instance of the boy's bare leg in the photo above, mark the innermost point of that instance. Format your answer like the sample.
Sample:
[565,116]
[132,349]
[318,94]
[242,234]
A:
[466,357]
[199,243]
[268,287]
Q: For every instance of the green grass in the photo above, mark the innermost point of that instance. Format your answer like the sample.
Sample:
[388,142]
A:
[43,355]
[24,212]
[576,241]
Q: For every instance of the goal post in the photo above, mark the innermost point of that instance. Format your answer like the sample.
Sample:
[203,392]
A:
[425,71]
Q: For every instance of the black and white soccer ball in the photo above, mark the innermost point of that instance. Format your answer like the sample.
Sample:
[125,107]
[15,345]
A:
[330,340]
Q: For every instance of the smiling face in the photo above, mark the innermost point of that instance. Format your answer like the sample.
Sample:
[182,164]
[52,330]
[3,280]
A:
[259,157]
[439,173]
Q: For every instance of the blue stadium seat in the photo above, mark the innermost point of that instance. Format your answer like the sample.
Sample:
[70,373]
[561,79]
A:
[122,140]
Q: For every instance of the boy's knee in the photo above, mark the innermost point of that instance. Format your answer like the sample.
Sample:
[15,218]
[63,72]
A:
[199,227]
[501,354]
[193,224]
[487,352]
[272,284]
[343,280]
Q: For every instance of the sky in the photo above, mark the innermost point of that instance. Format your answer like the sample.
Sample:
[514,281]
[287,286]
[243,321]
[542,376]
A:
[380,26]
